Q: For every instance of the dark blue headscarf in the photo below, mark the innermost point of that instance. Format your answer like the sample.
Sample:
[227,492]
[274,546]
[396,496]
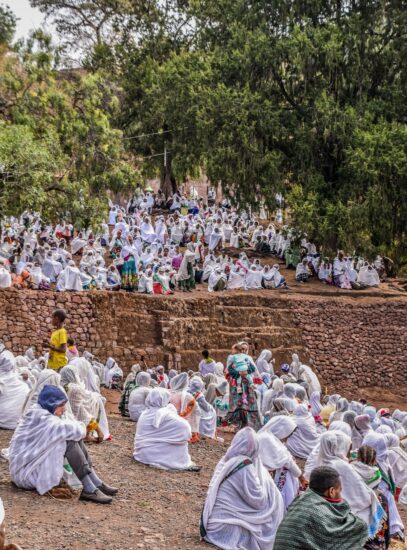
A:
[51,397]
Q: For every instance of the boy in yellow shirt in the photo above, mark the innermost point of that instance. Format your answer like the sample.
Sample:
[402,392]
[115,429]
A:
[58,342]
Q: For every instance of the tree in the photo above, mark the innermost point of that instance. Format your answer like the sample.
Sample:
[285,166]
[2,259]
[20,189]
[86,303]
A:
[59,142]
[8,22]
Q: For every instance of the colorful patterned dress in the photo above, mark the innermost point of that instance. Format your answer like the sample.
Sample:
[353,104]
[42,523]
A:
[243,407]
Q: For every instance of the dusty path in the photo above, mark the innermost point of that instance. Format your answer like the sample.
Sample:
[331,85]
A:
[155,510]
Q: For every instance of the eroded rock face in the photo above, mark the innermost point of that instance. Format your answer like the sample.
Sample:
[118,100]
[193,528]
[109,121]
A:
[349,341]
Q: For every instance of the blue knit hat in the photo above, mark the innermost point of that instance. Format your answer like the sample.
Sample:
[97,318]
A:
[51,397]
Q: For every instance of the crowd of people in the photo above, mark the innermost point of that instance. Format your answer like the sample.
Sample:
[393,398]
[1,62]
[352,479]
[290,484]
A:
[143,248]
[304,471]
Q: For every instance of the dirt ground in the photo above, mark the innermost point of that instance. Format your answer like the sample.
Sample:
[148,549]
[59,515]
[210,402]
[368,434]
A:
[155,510]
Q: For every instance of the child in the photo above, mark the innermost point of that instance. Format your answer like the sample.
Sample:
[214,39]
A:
[72,349]
[58,342]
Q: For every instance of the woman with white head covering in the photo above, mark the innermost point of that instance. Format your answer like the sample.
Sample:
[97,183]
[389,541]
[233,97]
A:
[237,278]
[372,414]
[13,393]
[184,403]
[243,507]
[162,436]
[111,372]
[186,273]
[217,280]
[207,422]
[361,428]
[303,440]
[253,278]
[312,460]
[387,486]
[86,374]
[265,362]
[70,278]
[306,374]
[87,407]
[341,407]
[138,396]
[334,449]
[277,459]
[47,377]
[397,460]
[315,403]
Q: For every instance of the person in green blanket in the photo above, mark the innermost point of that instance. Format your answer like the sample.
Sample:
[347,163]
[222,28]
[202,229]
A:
[319,519]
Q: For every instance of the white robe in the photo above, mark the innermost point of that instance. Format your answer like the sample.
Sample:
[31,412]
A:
[13,393]
[162,439]
[38,447]
[245,510]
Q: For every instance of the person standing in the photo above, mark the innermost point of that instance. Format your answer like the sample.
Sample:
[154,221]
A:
[58,342]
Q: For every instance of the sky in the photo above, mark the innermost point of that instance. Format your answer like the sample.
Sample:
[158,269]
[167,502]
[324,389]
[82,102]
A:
[29,18]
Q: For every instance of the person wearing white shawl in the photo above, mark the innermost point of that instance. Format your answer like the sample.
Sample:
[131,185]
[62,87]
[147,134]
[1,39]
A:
[41,441]
[272,278]
[397,460]
[306,374]
[217,280]
[243,507]
[387,486]
[215,238]
[265,362]
[312,460]
[162,436]
[207,421]
[111,369]
[5,277]
[303,440]
[186,275]
[237,278]
[184,402]
[368,276]
[70,278]
[51,268]
[334,449]
[275,391]
[277,459]
[341,407]
[86,373]
[253,278]
[315,403]
[86,406]
[138,396]
[13,393]
[147,231]
[46,377]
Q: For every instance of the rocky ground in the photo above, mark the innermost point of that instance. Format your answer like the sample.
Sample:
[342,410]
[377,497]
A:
[155,510]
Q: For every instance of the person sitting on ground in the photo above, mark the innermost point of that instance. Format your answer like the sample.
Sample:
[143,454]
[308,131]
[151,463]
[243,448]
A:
[320,519]
[302,271]
[13,392]
[207,365]
[41,441]
[138,396]
[243,507]
[162,436]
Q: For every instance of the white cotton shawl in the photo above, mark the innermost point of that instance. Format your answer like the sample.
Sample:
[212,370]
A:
[304,439]
[162,436]
[334,448]
[13,393]
[245,510]
[37,449]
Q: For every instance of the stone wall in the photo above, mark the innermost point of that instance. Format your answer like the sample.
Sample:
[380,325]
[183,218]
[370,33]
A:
[349,340]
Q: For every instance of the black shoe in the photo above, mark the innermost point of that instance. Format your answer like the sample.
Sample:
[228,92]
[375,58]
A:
[97,496]
[111,491]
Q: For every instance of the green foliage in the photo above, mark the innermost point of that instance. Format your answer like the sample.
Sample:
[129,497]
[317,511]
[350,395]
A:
[8,22]
[303,98]
[60,151]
